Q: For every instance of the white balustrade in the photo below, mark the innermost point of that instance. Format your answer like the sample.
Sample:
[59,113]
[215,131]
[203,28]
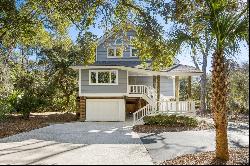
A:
[168,107]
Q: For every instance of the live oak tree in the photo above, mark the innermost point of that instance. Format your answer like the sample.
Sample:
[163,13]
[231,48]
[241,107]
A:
[38,26]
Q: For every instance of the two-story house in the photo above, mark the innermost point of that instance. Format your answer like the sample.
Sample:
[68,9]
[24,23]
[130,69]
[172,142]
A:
[118,85]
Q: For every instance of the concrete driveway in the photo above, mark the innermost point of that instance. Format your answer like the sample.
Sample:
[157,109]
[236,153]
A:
[76,143]
[168,145]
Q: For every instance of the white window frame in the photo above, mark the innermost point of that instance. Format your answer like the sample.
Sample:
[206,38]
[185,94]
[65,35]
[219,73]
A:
[114,53]
[97,71]
[131,52]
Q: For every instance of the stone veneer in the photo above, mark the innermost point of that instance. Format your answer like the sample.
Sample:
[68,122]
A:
[82,108]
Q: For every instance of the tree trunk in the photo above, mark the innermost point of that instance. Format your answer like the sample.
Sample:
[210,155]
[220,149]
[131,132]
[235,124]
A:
[203,85]
[219,100]
[26,115]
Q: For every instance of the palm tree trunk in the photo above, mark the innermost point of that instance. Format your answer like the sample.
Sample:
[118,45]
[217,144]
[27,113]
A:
[219,107]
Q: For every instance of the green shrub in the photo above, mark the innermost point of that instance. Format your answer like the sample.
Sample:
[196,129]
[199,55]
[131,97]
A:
[4,109]
[171,121]
[7,104]
[28,103]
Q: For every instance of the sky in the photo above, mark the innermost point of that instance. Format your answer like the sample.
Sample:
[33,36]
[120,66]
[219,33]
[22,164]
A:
[185,56]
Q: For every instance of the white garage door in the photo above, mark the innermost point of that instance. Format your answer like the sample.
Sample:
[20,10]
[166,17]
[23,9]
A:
[105,110]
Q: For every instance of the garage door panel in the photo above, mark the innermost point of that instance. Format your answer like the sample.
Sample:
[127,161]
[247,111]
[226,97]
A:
[105,110]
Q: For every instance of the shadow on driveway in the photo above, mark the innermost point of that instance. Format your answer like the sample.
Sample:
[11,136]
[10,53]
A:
[76,143]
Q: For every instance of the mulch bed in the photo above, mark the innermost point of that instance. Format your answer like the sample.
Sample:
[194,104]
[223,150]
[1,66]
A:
[14,124]
[159,129]
[242,118]
[238,156]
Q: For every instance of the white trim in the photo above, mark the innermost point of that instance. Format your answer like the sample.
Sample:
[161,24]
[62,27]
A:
[147,72]
[116,67]
[80,82]
[103,94]
[97,71]
[130,54]
[114,48]
[135,95]
[182,73]
[139,75]
[127,84]
[173,78]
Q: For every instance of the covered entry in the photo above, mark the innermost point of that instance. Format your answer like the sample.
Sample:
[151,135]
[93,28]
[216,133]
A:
[105,110]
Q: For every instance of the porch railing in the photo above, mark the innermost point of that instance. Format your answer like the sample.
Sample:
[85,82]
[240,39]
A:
[165,107]
[148,91]
[176,107]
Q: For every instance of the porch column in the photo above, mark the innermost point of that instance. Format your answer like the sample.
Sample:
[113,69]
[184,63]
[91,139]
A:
[177,89]
[158,78]
[189,87]
[189,92]
[154,82]
[139,104]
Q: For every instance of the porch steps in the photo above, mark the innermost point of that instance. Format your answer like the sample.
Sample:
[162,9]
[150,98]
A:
[158,107]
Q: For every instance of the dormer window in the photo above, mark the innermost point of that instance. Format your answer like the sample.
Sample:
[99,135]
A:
[115,52]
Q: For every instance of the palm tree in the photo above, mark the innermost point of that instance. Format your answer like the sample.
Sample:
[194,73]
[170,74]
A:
[229,26]
[226,23]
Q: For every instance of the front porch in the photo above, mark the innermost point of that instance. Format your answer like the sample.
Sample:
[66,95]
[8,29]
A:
[158,103]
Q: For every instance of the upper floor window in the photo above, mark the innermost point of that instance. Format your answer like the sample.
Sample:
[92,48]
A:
[103,77]
[133,52]
[115,52]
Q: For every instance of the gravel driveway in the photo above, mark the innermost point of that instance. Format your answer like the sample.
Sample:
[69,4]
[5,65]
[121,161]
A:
[76,143]
[168,145]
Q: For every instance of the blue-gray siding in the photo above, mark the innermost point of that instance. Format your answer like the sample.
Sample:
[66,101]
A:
[166,85]
[102,50]
[141,80]
[120,88]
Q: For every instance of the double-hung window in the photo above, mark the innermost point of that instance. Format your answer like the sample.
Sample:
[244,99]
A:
[103,77]
[115,52]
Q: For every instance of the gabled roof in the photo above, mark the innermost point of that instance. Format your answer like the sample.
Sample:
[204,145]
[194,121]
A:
[111,32]
[182,68]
